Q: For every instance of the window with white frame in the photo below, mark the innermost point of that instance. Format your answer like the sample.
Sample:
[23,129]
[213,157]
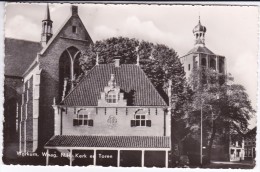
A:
[22,98]
[111,97]
[24,87]
[27,96]
[26,110]
[246,152]
[249,153]
[28,84]
[82,119]
[140,120]
[17,117]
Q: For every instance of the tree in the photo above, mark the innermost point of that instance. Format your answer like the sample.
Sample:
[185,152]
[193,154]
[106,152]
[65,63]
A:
[159,62]
[225,106]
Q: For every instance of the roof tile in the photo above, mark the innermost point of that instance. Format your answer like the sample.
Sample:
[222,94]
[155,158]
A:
[138,89]
[199,49]
[19,54]
[109,141]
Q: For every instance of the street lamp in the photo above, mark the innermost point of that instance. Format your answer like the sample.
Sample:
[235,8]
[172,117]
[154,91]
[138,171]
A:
[201,144]
[201,126]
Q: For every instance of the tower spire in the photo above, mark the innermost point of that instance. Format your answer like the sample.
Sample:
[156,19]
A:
[47,15]
[46,27]
[199,16]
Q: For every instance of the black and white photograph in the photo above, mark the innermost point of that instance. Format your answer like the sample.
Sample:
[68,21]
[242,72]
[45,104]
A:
[130,85]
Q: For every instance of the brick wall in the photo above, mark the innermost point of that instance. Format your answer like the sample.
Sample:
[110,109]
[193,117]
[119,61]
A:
[27,116]
[49,63]
[189,60]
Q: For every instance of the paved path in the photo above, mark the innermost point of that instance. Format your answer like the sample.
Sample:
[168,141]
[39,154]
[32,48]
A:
[236,165]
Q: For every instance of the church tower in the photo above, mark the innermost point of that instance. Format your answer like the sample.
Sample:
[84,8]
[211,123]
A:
[46,28]
[200,56]
[199,33]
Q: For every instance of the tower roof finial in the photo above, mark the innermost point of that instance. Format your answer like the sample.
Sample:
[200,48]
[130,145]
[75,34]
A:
[47,16]
[199,15]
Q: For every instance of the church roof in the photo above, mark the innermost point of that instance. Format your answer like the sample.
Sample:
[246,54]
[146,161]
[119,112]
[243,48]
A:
[200,49]
[19,54]
[133,82]
[109,141]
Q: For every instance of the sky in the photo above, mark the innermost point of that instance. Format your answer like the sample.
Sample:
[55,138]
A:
[232,31]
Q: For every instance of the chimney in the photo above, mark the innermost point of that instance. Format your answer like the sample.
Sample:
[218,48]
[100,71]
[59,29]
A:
[138,60]
[97,59]
[117,61]
[170,96]
[74,10]
[169,91]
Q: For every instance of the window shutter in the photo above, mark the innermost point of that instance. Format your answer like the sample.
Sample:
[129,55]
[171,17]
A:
[90,122]
[75,122]
[132,123]
[148,123]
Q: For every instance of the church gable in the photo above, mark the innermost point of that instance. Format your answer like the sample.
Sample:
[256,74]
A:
[73,30]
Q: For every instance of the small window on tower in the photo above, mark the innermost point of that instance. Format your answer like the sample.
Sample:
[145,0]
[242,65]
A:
[74,29]
[189,66]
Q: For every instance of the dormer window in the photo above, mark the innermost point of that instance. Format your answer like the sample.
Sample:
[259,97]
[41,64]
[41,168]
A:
[74,29]
[111,97]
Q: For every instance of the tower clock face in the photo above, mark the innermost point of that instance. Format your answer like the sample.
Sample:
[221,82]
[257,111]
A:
[112,121]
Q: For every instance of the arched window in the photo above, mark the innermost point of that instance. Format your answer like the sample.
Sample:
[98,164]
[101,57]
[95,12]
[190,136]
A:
[221,65]
[77,68]
[203,62]
[213,64]
[64,74]
[69,68]
[82,118]
[140,119]
[111,97]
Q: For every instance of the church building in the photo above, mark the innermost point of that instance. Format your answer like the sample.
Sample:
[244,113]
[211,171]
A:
[37,75]
[113,117]
[202,58]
